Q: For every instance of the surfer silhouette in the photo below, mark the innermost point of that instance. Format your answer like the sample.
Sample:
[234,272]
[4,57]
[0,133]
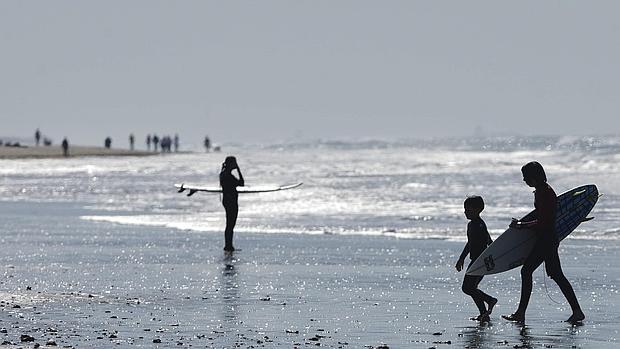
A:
[546,247]
[229,184]
[478,239]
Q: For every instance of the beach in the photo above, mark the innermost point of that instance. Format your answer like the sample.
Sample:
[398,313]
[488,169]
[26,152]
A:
[80,283]
[103,251]
[42,152]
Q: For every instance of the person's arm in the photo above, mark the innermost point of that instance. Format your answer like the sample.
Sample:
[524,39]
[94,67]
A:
[545,216]
[546,211]
[240,182]
[519,224]
[461,261]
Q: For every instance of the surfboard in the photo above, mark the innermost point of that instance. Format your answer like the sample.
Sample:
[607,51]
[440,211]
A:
[511,248]
[193,189]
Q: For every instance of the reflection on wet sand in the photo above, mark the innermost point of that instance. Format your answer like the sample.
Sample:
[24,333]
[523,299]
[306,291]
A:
[490,335]
[524,337]
[477,336]
[229,290]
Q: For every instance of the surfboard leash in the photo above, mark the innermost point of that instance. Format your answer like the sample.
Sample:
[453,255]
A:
[544,271]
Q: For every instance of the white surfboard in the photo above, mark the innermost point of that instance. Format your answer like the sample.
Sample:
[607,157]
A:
[511,248]
[193,189]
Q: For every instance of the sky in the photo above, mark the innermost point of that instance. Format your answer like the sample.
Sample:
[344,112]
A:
[270,71]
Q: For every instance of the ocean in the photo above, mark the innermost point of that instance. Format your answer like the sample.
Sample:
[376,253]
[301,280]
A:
[403,189]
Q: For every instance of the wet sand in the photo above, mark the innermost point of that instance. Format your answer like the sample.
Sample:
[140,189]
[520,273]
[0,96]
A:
[56,152]
[91,284]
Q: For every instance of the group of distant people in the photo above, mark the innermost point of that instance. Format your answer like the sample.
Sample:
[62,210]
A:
[10,144]
[165,143]
[38,137]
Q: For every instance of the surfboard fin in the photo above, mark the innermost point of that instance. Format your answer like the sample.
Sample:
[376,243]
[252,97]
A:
[192,192]
[181,189]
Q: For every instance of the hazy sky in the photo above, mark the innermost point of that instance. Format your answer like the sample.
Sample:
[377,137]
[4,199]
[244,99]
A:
[284,70]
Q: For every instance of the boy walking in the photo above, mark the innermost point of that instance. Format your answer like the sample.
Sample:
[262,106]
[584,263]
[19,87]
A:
[478,239]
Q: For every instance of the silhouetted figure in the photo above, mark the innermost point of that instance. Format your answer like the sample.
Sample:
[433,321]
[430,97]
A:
[478,239]
[176,143]
[155,142]
[148,142]
[229,184]
[132,140]
[163,143]
[65,147]
[166,144]
[207,144]
[108,142]
[37,136]
[546,247]
[47,142]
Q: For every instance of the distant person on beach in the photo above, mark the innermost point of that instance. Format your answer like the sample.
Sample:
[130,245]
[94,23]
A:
[108,142]
[37,137]
[131,141]
[546,247]
[168,140]
[163,143]
[207,144]
[176,143]
[65,147]
[229,184]
[155,142]
[478,239]
[148,142]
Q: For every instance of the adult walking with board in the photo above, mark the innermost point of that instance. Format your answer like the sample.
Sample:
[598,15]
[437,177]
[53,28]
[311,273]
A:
[546,246]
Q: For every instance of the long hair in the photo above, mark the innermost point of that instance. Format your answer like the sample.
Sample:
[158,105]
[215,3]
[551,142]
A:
[228,162]
[534,170]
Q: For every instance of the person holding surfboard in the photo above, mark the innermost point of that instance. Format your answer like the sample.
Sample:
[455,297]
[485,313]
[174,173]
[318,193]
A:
[229,184]
[546,247]
[478,239]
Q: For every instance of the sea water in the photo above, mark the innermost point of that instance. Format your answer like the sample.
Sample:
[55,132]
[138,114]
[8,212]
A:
[403,189]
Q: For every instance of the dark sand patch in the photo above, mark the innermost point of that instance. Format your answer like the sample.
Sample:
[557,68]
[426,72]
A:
[56,152]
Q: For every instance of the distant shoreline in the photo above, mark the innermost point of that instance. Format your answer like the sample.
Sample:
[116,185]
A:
[46,152]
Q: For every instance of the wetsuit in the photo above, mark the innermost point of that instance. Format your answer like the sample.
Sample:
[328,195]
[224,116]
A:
[478,239]
[545,249]
[229,185]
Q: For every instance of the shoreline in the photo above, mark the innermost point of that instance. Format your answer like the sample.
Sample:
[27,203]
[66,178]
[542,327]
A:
[48,152]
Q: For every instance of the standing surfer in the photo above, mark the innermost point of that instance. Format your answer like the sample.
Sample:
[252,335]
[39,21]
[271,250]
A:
[229,184]
[546,247]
